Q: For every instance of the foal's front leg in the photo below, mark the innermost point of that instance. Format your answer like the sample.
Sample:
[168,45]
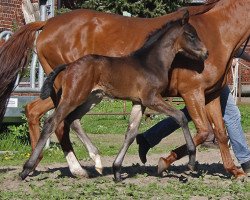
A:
[132,131]
[159,104]
[195,103]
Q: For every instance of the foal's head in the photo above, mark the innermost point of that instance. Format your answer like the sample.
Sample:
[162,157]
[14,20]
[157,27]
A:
[188,41]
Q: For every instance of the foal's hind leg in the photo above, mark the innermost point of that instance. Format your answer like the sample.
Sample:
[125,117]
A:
[94,99]
[74,165]
[36,109]
[132,131]
[64,108]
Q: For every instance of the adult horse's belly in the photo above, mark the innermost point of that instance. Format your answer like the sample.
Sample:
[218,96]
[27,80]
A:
[70,36]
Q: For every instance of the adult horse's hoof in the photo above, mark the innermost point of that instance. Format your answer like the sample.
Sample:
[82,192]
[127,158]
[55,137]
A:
[241,176]
[162,165]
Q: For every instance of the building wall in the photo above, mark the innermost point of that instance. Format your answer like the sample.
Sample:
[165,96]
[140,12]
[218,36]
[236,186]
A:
[11,15]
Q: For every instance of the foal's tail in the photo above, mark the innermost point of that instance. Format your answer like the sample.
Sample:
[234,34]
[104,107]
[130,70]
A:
[48,89]
[13,59]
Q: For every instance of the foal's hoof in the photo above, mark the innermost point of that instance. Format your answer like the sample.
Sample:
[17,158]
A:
[162,165]
[80,173]
[98,163]
[24,173]
[191,167]
[99,170]
[117,174]
[117,177]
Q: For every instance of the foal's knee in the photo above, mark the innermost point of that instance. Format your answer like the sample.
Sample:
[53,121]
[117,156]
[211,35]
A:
[183,119]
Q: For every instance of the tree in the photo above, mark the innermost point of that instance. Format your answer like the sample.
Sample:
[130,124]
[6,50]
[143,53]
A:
[138,8]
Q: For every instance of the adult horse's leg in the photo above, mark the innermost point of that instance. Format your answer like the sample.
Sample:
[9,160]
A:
[93,151]
[221,136]
[199,113]
[34,111]
[134,122]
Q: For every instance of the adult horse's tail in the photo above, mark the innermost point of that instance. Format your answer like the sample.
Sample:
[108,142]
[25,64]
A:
[13,59]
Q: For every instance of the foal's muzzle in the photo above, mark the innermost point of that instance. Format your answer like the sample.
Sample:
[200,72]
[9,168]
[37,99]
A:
[204,55]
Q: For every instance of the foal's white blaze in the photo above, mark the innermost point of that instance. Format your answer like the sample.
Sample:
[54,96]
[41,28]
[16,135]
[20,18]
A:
[74,165]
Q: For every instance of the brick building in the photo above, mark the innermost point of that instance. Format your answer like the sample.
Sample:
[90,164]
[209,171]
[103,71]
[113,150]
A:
[11,14]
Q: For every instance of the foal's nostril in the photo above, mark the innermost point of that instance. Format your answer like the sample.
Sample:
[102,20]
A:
[205,55]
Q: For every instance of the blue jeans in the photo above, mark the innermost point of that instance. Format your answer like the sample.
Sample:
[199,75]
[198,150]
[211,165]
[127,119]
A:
[232,119]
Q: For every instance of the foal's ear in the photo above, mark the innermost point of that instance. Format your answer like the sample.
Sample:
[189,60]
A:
[185,18]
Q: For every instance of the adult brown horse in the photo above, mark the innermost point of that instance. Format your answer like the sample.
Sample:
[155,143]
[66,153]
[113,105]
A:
[82,32]
[86,32]
[141,77]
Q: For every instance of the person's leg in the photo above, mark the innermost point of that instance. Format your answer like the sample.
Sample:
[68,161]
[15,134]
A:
[162,129]
[155,134]
[232,119]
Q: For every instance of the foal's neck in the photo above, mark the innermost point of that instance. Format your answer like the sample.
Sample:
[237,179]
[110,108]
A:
[162,53]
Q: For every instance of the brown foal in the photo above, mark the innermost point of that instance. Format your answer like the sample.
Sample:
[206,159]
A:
[223,25]
[140,77]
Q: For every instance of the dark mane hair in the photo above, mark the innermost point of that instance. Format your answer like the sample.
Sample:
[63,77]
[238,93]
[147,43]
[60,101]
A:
[154,36]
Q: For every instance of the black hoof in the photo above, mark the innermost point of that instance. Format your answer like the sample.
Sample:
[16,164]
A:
[117,174]
[192,166]
[24,173]
[118,178]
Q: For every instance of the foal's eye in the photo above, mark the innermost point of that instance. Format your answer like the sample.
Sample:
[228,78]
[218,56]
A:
[191,37]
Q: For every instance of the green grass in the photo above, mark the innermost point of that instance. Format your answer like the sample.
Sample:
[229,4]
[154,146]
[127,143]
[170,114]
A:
[245,116]
[104,130]
[95,125]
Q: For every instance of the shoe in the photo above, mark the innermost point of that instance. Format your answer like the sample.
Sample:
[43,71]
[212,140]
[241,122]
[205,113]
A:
[246,167]
[210,145]
[143,147]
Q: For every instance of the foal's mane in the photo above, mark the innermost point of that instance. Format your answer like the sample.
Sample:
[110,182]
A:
[154,36]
